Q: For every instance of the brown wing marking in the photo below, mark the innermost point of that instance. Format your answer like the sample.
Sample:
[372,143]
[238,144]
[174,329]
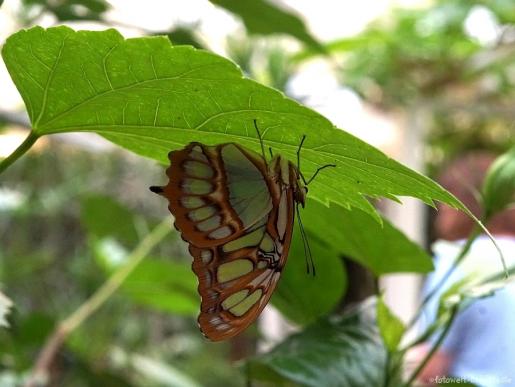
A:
[197,194]
[231,303]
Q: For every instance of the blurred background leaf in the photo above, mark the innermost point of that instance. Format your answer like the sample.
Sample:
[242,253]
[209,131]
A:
[390,326]
[381,248]
[499,186]
[70,10]
[344,350]
[104,217]
[263,17]
[303,297]
[166,286]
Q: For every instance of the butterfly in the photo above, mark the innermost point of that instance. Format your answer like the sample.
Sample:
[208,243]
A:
[236,210]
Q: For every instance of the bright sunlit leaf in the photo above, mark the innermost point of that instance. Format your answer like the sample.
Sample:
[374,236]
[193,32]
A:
[151,98]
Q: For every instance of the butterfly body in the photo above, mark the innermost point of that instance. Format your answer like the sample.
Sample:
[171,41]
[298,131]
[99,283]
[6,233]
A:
[236,211]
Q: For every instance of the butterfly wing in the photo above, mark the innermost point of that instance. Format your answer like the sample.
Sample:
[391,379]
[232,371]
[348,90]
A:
[238,222]
[216,193]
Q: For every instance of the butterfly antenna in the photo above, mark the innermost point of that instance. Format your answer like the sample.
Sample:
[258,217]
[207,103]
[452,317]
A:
[260,140]
[298,151]
[307,247]
[318,170]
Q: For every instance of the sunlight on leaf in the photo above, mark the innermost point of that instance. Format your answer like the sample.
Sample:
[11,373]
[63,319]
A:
[150,97]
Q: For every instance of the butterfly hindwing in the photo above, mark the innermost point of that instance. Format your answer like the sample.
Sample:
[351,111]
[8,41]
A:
[237,279]
[237,216]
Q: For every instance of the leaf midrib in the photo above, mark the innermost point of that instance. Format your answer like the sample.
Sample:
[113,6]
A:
[48,82]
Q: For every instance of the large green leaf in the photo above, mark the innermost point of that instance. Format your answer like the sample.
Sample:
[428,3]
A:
[151,97]
[381,248]
[262,17]
[336,351]
[302,297]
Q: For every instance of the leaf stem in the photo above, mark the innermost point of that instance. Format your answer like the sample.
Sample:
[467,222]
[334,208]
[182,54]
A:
[387,369]
[433,349]
[20,151]
[53,344]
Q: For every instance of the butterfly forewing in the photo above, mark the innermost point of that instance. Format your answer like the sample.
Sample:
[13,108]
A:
[238,221]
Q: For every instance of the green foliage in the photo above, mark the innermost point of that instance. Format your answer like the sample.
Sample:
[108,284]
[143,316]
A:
[261,17]
[466,294]
[162,285]
[127,91]
[49,266]
[499,185]
[390,326]
[150,98]
[104,217]
[382,248]
[424,61]
[183,36]
[414,55]
[69,10]
[304,297]
[341,350]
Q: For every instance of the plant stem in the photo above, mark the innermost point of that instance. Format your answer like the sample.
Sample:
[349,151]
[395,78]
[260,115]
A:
[20,151]
[387,369]
[56,340]
[433,349]
[459,258]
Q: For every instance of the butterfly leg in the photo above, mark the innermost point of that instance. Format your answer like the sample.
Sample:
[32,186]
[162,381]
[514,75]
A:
[316,172]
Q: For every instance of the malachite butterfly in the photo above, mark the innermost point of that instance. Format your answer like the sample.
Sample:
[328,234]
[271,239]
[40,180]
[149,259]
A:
[236,210]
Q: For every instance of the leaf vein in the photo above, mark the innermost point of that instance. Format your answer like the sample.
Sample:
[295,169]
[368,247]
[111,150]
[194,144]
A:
[49,80]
